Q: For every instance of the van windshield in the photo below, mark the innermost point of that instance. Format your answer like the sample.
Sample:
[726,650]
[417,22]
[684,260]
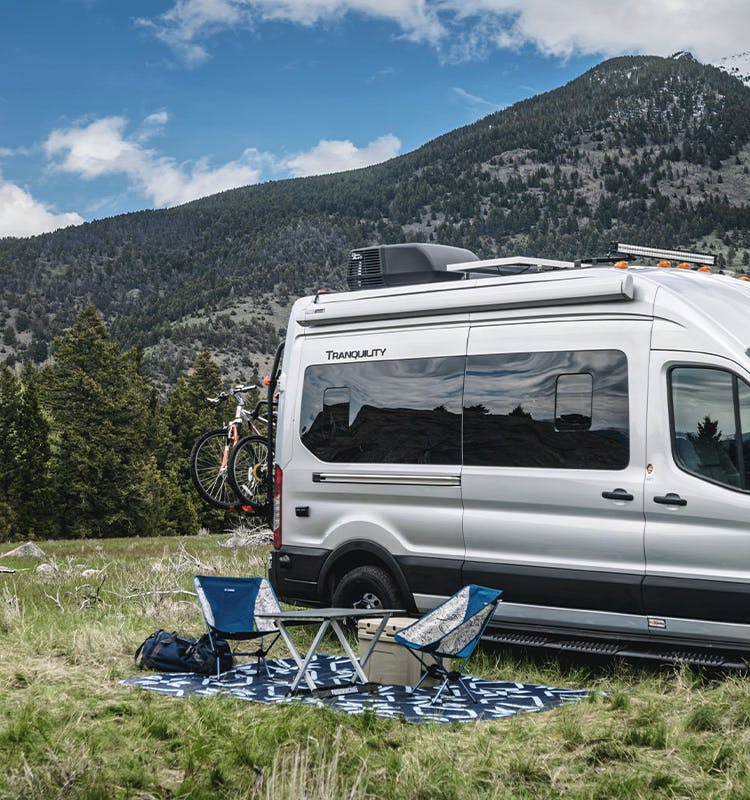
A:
[711,425]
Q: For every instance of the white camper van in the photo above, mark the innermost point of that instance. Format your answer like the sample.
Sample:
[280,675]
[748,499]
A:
[576,435]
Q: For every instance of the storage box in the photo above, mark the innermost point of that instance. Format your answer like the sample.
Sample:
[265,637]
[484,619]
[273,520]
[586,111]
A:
[390,662]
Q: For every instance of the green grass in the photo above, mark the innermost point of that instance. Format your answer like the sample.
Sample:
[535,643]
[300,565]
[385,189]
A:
[68,729]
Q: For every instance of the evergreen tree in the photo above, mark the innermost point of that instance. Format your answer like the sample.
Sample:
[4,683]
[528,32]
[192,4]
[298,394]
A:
[10,402]
[188,416]
[32,492]
[188,412]
[99,403]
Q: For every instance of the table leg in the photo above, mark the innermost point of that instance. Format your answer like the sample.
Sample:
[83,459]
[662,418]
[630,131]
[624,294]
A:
[339,631]
[304,664]
[376,636]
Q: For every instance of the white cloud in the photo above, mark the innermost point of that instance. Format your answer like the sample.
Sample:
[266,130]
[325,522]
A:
[92,149]
[592,26]
[22,215]
[189,22]
[102,147]
[8,152]
[476,105]
[338,156]
[469,29]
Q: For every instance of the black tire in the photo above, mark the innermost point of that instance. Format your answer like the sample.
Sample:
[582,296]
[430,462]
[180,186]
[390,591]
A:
[248,471]
[367,587]
[209,469]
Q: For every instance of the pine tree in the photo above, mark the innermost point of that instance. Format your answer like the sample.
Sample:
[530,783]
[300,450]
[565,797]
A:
[10,403]
[33,496]
[188,412]
[188,415]
[99,403]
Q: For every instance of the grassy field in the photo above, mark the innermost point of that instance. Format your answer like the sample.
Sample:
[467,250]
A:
[68,729]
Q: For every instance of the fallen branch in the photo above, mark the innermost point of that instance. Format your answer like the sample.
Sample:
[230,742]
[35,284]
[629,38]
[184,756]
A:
[55,600]
[150,594]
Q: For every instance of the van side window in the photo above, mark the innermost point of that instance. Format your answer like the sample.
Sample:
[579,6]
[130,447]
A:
[384,412]
[711,424]
[567,410]
[573,399]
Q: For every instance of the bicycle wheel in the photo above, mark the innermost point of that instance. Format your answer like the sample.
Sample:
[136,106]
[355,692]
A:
[248,470]
[209,469]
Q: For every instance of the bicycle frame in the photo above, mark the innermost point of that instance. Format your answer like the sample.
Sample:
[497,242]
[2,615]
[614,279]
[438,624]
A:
[241,416]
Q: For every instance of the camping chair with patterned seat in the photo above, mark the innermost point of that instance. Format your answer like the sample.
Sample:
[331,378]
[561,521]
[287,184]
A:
[229,607]
[451,630]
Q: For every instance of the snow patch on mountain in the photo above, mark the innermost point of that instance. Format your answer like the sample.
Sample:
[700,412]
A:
[737,65]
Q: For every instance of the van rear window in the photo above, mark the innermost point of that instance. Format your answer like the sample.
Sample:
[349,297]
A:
[384,412]
[565,410]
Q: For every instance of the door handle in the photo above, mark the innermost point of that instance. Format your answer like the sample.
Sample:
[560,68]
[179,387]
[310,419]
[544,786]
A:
[618,494]
[670,499]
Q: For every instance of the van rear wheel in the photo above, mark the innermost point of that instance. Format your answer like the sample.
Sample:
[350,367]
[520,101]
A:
[367,587]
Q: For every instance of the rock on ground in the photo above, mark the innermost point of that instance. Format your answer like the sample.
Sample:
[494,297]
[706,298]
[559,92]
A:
[28,550]
[90,573]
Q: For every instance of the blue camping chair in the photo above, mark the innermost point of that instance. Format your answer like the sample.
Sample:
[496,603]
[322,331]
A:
[451,630]
[229,606]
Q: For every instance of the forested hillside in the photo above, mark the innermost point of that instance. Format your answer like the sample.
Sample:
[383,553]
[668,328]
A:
[641,149]
[87,448]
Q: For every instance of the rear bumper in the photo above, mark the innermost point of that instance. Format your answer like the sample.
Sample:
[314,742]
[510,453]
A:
[295,574]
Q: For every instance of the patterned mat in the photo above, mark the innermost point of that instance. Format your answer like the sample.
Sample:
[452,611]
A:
[496,699]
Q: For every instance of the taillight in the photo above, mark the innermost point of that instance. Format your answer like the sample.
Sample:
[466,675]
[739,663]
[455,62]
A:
[277,476]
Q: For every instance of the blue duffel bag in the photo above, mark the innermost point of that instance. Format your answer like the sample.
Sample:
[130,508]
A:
[170,652]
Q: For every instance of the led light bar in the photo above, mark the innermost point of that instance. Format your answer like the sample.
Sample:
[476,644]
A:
[672,255]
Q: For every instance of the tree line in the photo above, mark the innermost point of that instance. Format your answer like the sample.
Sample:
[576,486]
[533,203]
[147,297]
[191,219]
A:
[88,448]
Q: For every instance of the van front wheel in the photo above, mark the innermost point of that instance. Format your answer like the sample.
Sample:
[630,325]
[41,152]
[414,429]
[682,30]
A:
[367,587]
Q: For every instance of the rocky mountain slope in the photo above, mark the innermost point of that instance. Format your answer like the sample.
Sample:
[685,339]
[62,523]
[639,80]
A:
[641,149]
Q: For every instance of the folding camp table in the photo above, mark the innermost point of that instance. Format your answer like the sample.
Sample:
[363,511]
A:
[327,618]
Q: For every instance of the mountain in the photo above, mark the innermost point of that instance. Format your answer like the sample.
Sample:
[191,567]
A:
[737,65]
[643,149]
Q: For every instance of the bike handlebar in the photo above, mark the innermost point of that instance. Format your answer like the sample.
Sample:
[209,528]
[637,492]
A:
[233,392]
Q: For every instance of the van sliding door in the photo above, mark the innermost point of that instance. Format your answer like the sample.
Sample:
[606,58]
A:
[552,483]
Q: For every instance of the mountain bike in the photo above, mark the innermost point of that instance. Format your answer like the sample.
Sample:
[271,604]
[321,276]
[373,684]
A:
[209,458]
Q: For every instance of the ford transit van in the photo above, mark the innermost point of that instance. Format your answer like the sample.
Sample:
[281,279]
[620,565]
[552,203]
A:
[577,435]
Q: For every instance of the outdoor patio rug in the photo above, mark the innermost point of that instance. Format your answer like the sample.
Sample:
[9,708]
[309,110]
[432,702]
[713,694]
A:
[497,699]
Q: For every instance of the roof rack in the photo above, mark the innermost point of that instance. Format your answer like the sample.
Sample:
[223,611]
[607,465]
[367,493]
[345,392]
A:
[512,265]
[516,265]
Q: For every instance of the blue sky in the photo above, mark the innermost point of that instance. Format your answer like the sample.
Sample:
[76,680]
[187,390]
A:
[109,106]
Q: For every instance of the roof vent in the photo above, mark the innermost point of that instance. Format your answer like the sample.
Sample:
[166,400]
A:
[403,264]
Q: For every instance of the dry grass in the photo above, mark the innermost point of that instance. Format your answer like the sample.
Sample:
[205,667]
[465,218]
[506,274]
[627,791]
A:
[69,729]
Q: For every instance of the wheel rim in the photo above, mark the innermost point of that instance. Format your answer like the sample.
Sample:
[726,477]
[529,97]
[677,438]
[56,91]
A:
[250,468]
[368,600]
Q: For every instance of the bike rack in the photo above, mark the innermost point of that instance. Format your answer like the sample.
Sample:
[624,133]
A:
[272,383]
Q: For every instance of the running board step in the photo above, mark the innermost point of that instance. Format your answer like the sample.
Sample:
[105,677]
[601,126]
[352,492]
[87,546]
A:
[699,658]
